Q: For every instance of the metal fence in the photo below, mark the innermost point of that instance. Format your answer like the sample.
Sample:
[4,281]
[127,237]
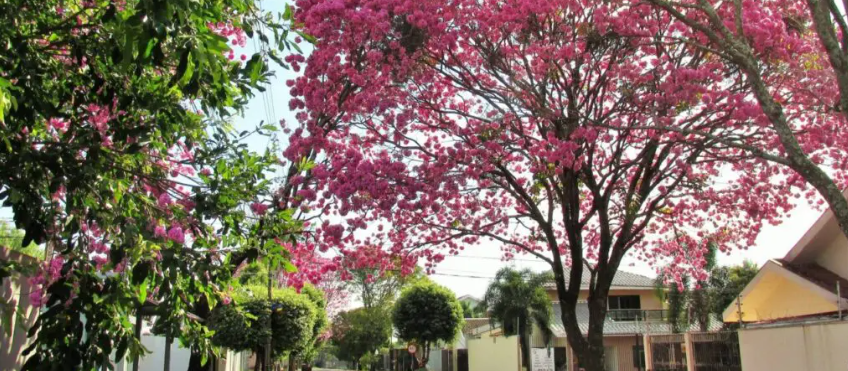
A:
[716,351]
[667,352]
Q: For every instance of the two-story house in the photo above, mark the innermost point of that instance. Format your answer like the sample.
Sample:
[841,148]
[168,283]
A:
[634,310]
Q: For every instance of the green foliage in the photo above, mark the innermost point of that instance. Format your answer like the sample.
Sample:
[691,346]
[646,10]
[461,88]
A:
[378,288]
[360,331]
[426,314]
[726,283]
[159,79]
[13,238]
[242,325]
[470,310]
[318,300]
[517,300]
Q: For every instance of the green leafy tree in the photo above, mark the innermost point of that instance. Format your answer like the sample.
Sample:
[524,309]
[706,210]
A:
[242,325]
[361,331]
[427,314]
[517,301]
[116,153]
[310,351]
[676,296]
[13,238]
[470,310]
[380,287]
[726,283]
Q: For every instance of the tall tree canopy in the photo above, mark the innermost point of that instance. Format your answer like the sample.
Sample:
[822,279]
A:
[117,154]
[789,60]
[534,124]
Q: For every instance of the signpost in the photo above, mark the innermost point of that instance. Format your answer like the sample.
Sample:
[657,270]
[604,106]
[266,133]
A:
[542,359]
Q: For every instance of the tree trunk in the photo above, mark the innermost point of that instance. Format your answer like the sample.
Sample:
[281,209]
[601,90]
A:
[259,359]
[168,341]
[195,362]
[137,329]
[525,351]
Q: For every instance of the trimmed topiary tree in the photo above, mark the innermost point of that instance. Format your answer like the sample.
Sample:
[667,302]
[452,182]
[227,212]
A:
[426,314]
[241,325]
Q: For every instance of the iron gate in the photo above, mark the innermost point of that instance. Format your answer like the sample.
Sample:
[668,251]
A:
[668,352]
[717,351]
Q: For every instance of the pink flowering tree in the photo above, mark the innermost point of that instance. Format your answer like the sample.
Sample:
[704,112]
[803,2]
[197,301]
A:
[790,62]
[533,126]
[117,155]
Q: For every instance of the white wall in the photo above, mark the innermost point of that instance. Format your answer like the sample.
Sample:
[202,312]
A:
[814,347]
[155,360]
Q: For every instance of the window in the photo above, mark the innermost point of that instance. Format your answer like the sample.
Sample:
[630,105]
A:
[625,302]
[639,357]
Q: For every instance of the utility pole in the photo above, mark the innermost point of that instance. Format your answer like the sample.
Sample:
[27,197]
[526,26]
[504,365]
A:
[839,299]
[270,321]
[739,310]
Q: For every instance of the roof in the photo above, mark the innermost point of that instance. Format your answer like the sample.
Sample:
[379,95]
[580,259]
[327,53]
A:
[816,237]
[816,279]
[621,280]
[611,327]
[473,323]
[818,275]
[468,298]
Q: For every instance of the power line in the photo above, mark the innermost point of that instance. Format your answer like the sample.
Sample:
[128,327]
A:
[536,260]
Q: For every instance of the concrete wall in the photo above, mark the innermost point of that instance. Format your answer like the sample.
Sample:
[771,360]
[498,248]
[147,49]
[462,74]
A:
[493,352]
[16,290]
[819,347]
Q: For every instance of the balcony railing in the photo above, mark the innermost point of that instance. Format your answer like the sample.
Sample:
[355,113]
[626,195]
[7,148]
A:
[642,315]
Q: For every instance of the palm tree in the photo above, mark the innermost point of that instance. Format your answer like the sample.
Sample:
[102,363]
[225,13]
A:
[517,300]
[470,310]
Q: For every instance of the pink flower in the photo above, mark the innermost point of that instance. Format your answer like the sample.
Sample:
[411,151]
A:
[160,232]
[258,208]
[226,300]
[165,200]
[206,171]
[36,297]
[176,234]
[59,124]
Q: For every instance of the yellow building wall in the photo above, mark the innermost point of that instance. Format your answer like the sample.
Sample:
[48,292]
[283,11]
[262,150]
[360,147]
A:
[835,256]
[493,352]
[820,347]
[647,297]
[776,296]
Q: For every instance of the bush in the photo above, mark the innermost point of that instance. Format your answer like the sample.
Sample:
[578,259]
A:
[242,324]
[426,314]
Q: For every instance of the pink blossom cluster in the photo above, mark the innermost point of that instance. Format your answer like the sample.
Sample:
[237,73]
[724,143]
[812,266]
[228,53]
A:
[50,271]
[229,31]
[450,125]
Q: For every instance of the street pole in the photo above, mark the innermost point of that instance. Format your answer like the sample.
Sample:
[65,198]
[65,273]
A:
[739,310]
[839,299]
[270,322]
